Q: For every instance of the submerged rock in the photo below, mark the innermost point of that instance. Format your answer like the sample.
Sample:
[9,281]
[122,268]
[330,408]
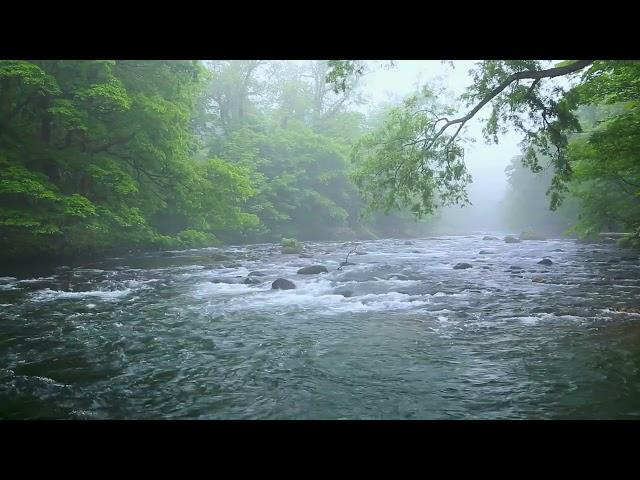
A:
[486,252]
[232,265]
[312,270]
[305,255]
[362,253]
[256,274]
[545,261]
[557,250]
[461,266]
[409,242]
[291,250]
[282,284]
[229,280]
[538,279]
[489,237]
[511,239]
[344,292]
[344,264]
[251,281]
[219,257]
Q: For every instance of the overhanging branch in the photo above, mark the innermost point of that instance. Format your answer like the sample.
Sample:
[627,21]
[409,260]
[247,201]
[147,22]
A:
[536,75]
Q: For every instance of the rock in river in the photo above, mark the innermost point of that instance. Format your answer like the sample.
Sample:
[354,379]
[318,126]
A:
[312,270]
[282,284]
[489,237]
[344,292]
[545,261]
[511,239]
[462,265]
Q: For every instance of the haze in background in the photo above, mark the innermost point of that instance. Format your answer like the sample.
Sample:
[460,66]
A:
[486,162]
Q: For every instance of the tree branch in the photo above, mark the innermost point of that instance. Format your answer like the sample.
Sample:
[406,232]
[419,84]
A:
[536,75]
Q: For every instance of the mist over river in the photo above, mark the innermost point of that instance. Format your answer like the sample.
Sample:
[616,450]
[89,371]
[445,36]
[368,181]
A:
[399,335]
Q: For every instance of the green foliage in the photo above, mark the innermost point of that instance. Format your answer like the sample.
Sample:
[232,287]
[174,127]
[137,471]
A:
[98,156]
[290,242]
[291,245]
[107,155]
[403,163]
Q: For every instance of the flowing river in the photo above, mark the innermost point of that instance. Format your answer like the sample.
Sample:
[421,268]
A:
[398,335]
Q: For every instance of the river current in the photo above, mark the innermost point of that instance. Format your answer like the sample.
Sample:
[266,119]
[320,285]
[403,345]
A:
[399,335]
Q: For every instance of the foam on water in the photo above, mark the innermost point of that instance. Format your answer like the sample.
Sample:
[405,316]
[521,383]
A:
[48,295]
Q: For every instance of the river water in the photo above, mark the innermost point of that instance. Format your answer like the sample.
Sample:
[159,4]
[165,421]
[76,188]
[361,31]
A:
[398,335]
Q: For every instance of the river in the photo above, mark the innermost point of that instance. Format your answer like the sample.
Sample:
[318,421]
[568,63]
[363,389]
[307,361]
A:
[398,335]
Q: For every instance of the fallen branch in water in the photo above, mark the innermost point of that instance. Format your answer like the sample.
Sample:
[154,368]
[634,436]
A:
[346,260]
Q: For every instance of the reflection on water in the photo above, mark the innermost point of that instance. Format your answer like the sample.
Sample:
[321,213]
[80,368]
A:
[401,334]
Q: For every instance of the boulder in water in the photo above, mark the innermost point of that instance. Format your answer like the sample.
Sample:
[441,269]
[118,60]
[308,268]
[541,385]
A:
[462,265]
[409,242]
[312,270]
[489,237]
[291,246]
[511,239]
[545,261]
[251,281]
[256,274]
[538,279]
[282,284]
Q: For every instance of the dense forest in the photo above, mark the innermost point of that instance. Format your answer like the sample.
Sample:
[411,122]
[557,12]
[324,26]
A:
[107,156]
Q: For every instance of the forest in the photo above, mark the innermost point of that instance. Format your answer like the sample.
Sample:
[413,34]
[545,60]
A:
[106,156]
[319,239]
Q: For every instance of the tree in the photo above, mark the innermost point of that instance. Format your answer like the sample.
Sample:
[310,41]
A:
[426,138]
[100,155]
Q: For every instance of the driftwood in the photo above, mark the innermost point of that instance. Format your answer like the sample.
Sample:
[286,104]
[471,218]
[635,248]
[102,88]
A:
[346,260]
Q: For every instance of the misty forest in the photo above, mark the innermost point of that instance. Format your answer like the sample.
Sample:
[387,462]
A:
[319,239]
